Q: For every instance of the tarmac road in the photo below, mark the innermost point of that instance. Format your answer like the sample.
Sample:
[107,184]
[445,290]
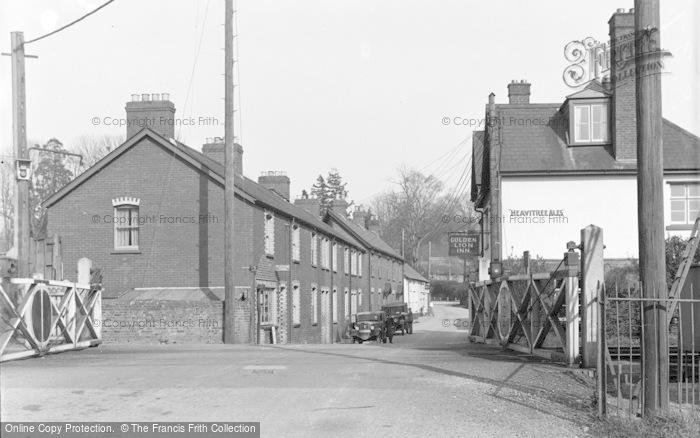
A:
[431,383]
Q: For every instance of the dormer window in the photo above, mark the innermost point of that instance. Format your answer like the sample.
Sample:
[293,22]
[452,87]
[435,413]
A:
[590,124]
[588,113]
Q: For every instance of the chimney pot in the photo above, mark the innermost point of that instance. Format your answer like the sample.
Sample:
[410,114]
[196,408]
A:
[155,114]
[519,92]
[278,182]
[621,10]
[165,96]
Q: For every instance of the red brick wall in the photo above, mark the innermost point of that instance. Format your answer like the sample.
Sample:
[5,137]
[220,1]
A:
[154,322]
[170,254]
[624,116]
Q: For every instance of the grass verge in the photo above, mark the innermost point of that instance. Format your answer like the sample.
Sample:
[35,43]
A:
[660,425]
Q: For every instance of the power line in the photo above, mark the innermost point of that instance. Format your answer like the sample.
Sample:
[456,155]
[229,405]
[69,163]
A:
[194,63]
[69,24]
[449,152]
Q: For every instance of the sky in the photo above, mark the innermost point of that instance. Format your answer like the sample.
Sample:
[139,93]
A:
[362,86]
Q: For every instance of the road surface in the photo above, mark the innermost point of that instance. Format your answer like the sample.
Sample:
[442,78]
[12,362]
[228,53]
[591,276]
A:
[433,383]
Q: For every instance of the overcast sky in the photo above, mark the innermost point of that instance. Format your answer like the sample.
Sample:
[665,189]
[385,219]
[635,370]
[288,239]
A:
[362,86]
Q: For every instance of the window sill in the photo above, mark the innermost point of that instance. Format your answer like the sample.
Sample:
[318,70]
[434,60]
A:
[126,251]
[315,324]
[589,143]
[296,325]
[296,262]
[679,227]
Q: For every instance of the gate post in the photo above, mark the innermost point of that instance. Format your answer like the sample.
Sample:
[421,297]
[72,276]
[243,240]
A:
[572,304]
[592,279]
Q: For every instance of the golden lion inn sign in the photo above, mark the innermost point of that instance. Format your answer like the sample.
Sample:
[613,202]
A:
[464,244]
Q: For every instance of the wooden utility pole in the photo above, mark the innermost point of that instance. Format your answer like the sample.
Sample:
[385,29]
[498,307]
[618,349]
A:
[229,194]
[650,169]
[19,136]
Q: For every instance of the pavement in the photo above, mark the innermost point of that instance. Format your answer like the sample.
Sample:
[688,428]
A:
[431,383]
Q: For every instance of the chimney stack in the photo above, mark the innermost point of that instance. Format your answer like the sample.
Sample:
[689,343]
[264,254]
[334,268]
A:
[214,149]
[359,216]
[518,92]
[312,205]
[153,111]
[623,85]
[278,182]
[340,205]
[373,224]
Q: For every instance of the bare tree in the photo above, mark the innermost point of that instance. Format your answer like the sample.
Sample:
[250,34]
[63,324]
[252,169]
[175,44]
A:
[93,148]
[415,211]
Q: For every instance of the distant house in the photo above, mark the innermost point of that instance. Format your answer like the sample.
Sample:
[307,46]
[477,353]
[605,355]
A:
[416,290]
[150,215]
[542,172]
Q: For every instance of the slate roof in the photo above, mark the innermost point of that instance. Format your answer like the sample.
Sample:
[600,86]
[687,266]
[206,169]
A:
[245,188]
[411,273]
[370,239]
[543,148]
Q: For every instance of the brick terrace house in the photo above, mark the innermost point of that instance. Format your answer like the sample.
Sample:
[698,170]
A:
[385,267]
[150,215]
[542,172]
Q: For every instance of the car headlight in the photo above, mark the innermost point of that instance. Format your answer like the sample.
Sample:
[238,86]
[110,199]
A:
[371,327]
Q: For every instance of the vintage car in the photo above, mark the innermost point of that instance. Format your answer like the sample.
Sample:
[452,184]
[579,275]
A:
[369,326]
[403,321]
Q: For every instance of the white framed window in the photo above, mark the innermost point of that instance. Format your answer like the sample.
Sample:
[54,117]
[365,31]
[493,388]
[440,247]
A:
[346,260]
[685,203]
[359,298]
[353,303]
[353,262]
[359,264]
[591,123]
[314,249]
[346,304]
[335,305]
[334,257]
[325,253]
[379,267]
[269,233]
[296,251]
[314,305]
[126,223]
[296,305]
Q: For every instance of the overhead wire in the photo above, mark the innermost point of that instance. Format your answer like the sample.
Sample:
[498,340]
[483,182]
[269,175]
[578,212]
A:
[69,24]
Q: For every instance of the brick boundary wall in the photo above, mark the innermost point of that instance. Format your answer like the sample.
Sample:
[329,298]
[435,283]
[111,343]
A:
[161,322]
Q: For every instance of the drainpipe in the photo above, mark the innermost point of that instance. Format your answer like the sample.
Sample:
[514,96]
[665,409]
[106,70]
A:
[369,278]
[481,212]
[333,245]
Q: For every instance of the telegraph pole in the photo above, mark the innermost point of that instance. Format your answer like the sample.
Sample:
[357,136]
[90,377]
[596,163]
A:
[650,168]
[229,194]
[19,137]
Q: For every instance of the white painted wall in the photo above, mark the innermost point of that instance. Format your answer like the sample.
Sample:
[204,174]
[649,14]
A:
[416,294]
[609,202]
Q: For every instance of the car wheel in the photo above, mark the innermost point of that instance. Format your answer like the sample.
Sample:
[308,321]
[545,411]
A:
[359,341]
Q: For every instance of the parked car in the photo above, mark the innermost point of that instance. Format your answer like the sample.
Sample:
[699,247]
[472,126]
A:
[369,326]
[403,321]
